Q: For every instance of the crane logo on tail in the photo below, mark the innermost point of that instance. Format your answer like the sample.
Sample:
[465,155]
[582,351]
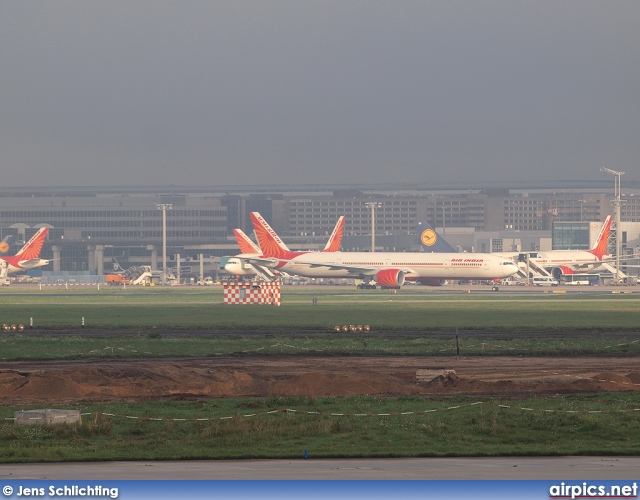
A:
[428,237]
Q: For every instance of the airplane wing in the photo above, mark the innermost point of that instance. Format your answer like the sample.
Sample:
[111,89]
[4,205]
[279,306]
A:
[355,270]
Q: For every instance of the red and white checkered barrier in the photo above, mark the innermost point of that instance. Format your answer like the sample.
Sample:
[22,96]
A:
[254,292]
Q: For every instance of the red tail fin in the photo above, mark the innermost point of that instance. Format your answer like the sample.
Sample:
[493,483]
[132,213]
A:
[600,247]
[245,244]
[33,247]
[270,243]
[333,245]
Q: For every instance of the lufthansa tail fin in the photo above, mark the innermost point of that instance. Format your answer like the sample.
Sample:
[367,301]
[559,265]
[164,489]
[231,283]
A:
[33,247]
[432,241]
[5,244]
[270,243]
[244,242]
[600,247]
[333,245]
[117,268]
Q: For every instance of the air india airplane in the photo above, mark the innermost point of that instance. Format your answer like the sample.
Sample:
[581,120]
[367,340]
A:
[563,262]
[28,257]
[241,265]
[388,269]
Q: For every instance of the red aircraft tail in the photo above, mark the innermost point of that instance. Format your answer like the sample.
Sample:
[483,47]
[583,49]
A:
[244,242]
[333,245]
[600,247]
[33,247]
[270,243]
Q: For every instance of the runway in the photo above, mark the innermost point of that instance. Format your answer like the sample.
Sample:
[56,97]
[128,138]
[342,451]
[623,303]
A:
[490,468]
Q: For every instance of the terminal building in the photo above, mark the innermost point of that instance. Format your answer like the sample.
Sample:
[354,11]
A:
[90,226]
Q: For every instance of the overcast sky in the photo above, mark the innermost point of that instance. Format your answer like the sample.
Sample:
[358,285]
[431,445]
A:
[289,92]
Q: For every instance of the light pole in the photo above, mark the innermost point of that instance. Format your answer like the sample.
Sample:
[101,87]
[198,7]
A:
[512,225]
[164,207]
[373,205]
[616,204]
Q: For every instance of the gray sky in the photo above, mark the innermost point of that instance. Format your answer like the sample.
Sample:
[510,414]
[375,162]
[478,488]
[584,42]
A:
[288,92]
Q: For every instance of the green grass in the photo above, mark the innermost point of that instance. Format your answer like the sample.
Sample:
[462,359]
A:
[34,347]
[407,310]
[252,432]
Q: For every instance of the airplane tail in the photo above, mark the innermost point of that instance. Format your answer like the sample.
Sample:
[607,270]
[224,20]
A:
[116,266]
[5,244]
[270,243]
[245,243]
[333,245]
[432,241]
[33,247]
[600,247]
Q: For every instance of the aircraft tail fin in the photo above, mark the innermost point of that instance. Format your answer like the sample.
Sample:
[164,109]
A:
[245,243]
[333,245]
[5,244]
[117,268]
[270,243]
[600,247]
[432,241]
[33,247]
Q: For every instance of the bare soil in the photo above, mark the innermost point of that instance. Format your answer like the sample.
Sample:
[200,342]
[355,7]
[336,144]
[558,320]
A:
[23,383]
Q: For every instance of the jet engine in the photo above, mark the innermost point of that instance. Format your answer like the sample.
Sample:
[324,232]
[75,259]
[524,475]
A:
[433,281]
[390,277]
[560,271]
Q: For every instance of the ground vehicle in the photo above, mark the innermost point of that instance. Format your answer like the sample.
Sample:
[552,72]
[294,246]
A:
[581,279]
[208,281]
[117,279]
[5,281]
[545,281]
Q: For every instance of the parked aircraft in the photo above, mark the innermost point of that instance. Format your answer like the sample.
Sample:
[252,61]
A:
[240,265]
[560,263]
[130,276]
[27,258]
[388,269]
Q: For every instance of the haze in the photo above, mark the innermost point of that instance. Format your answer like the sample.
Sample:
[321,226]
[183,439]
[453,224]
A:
[288,92]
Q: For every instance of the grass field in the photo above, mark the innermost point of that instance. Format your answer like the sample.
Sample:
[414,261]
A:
[596,424]
[406,310]
[604,424]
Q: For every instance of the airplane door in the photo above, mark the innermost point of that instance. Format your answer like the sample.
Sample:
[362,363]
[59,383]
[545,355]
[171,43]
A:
[486,264]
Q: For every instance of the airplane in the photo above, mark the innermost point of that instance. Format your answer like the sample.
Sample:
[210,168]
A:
[131,275]
[249,250]
[559,263]
[5,244]
[388,269]
[27,258]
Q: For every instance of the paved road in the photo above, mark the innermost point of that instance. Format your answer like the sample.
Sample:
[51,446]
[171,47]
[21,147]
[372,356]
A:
[516,468]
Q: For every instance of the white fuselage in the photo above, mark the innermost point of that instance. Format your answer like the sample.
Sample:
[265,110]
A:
[414,265]
[575,259]
[24,265]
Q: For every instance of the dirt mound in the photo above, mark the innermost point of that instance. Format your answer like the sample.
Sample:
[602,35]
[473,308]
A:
[130,380]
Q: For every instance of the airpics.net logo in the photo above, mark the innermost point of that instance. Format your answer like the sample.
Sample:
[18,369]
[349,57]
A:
[586,490]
